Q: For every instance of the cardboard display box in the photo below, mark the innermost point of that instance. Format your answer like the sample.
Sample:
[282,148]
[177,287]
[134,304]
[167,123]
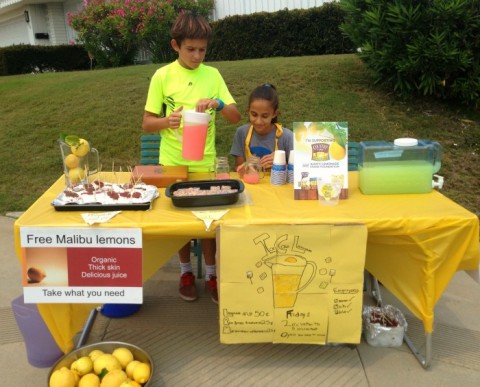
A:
[160,175]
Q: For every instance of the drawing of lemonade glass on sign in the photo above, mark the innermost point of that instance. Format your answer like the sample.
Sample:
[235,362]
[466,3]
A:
[287,274]
[320,152]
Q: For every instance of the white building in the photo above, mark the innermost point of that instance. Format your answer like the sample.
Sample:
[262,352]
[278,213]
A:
[44,22]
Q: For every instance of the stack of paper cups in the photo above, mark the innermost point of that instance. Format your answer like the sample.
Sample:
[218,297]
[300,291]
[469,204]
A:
[290,167]
[279,168]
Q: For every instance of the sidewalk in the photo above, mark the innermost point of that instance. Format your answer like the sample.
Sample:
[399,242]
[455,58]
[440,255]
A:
[182,339]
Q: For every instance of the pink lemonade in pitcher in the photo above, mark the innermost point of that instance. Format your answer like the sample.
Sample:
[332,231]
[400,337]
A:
[194,137]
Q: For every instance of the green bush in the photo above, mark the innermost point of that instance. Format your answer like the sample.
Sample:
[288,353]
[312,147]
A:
[24,59]
[313,31]
[419,47]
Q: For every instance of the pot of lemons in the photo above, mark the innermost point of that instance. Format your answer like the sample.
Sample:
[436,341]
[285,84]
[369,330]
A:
[106,364]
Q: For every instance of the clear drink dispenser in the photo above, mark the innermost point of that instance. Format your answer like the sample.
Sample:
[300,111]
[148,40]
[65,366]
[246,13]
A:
[405,166]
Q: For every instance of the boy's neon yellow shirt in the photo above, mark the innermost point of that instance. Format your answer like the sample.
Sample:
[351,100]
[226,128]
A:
[173,86]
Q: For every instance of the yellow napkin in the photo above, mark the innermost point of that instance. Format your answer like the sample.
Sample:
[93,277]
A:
[209,216]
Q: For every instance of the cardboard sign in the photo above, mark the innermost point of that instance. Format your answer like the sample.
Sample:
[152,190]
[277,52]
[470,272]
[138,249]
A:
[291,284]
[82,265]
[320,153]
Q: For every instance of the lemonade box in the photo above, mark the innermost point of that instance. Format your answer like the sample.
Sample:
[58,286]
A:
[320,154]
[404,166]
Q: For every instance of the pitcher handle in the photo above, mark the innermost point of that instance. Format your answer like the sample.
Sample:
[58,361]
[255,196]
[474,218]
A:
[314,267]
[94,153]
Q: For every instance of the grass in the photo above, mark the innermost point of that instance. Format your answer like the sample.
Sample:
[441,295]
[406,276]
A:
[106,107]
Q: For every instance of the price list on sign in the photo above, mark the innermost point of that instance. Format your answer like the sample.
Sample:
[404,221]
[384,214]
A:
[82,265]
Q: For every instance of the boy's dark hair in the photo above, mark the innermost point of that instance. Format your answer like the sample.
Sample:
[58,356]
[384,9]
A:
[268,92]
[190,26]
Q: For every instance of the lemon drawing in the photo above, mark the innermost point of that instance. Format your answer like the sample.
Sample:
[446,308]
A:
[124,356]
[62,378]
[337,152]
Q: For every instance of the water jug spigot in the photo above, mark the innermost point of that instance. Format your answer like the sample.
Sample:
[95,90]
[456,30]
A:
[437,181]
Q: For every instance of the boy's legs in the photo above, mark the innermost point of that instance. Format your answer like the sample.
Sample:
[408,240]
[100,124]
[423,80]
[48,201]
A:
[187,288]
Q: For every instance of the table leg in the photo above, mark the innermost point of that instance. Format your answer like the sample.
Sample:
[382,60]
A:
[424,360]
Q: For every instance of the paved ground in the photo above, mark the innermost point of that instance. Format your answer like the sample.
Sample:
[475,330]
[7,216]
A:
[183,340]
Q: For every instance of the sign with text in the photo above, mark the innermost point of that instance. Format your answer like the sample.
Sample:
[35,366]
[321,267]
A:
[320,155]
[82,265]
[297,284]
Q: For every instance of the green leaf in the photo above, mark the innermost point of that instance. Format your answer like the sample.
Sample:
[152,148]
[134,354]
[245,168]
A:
[72,140]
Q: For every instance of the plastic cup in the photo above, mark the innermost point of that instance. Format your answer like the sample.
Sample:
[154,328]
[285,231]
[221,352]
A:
[328,192]
[291,157]
[195,128]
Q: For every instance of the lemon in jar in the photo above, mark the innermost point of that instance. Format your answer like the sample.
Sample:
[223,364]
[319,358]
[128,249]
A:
[81,148]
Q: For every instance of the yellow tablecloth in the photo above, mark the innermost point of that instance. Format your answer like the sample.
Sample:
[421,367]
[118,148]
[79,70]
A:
[415,242]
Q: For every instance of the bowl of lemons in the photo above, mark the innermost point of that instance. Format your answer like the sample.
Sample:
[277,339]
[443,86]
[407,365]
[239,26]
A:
[105,364]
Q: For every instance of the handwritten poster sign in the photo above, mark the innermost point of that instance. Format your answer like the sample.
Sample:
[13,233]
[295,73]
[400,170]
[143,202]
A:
[320,152]
[291,283]
[82,265]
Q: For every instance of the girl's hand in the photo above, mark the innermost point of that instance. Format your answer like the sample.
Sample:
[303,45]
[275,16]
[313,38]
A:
[205,104]
[267,161]
[175,118]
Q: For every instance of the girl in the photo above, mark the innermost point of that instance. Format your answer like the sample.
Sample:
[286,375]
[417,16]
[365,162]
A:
[264,134]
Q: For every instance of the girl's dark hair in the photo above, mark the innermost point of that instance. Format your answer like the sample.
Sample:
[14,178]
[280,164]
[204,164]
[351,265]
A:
[268,92]
[190,26]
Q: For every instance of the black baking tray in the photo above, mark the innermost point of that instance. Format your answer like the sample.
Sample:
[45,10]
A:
[205,200]
[102,207]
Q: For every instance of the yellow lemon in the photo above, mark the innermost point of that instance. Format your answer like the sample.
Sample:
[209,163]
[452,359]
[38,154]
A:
[81,148]
[62,378]
[95,353]
[337,151]
[82,366]
[89,380]
[75,175]
[124,356]
[141,373]
[130,383]
[71,161]
[106,361]
[130,367]
[114,378]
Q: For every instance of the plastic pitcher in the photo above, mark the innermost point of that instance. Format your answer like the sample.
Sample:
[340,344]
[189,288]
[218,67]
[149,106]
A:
[42,350]
[405,166]
[195,128]
[78,167]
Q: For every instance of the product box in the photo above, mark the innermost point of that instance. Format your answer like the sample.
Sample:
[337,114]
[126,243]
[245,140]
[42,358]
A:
[320,153]
[159,175]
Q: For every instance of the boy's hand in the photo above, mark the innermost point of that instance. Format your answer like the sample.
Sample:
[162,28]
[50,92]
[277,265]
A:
[175,118]
[205,104]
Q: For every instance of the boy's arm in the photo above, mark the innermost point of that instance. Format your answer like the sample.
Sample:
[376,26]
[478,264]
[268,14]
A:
[229,112]
[153,122]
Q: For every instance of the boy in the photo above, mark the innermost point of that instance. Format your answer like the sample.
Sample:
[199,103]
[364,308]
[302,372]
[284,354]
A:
[189,84]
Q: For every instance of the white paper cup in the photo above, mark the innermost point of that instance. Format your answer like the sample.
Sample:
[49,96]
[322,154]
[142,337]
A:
[279,157]
[291,157]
